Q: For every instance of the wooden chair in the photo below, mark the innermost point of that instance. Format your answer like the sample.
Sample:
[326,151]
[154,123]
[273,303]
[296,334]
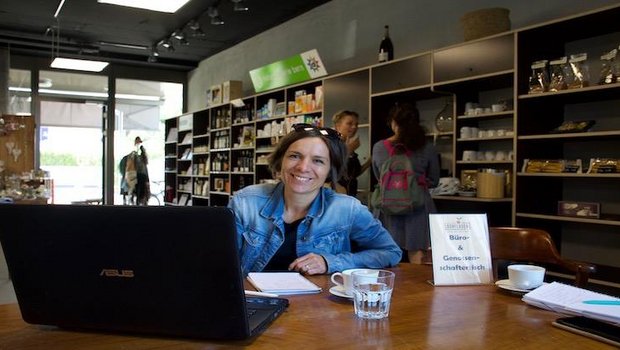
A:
[533,245]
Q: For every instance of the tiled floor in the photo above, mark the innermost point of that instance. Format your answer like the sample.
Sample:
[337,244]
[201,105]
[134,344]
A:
[7,294]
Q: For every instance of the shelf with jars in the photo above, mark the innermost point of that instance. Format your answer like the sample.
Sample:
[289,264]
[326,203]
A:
[496,124]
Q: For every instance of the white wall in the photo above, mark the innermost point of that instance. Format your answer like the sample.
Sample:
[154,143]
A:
[347,35]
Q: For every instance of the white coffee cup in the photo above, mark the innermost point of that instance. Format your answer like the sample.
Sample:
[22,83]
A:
[482,134]
[497,108]
[511,155]
[465,132]
[526,276]
[474,132]
[489,155]
[469,155]
[480,155]
[501,132]
[346,283]
[500,155]
[490,133]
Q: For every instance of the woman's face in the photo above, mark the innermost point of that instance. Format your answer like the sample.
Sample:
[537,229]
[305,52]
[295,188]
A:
[305,166]
[347,126]
[394,127]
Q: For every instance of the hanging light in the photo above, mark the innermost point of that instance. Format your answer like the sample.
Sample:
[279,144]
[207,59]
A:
[70,63]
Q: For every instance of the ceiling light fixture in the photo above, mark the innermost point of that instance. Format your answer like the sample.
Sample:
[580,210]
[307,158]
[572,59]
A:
[195,29]
[89,94]
[239,5]
[154,54]
[166,44]
[78,64]
[70,63]
[180,36]
[169,6]
[216,19]
[62,2]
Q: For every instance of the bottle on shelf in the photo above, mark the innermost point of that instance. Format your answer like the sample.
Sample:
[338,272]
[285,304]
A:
[386,49]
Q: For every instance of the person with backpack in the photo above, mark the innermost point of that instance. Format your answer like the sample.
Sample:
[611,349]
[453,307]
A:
[406,166]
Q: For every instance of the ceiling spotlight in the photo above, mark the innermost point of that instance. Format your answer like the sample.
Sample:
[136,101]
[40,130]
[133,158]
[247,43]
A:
[154,51]
[165,43]
[216,19]
[195,29]
[239,5]
[152,59]
[180,36]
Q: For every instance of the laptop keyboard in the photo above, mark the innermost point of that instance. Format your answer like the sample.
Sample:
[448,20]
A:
[255,304]
[251,312]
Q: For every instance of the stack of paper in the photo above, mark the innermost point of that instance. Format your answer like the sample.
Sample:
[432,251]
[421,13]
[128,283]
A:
[571,300]
[172,135]
[282,283]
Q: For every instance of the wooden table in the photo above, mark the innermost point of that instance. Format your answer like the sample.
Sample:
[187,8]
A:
[421,317]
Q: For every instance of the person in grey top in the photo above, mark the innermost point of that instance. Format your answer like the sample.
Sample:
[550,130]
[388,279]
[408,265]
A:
[410,231]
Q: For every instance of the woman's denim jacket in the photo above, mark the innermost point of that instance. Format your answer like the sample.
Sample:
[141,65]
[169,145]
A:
[337,227]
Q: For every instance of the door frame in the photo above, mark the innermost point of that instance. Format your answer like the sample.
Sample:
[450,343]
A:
[107,141]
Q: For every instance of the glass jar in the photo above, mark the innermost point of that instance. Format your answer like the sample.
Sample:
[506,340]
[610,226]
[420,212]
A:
[444,122]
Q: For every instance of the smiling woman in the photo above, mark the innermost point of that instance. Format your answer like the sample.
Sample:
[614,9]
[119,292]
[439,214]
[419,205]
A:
[298,224]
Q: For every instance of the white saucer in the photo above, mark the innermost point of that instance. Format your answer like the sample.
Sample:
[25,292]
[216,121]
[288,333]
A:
[505,284]
[339,292]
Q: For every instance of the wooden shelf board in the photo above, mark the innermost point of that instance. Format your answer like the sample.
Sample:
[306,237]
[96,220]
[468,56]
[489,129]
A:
[584,175]
[593,88]
[472,199]
[569,219]
[588,134]
[487,115]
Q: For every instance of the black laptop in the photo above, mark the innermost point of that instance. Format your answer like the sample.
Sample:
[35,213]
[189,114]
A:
[159,270]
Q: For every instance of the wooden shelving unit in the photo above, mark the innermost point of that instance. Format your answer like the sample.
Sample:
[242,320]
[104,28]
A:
[484,71]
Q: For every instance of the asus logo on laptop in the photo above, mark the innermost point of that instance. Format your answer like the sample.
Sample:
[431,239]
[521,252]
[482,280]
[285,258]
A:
[116,273]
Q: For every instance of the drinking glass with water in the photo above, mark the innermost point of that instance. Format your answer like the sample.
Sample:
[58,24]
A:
[372,292]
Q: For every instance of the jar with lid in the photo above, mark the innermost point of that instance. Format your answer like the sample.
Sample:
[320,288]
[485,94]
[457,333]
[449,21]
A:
[445,117]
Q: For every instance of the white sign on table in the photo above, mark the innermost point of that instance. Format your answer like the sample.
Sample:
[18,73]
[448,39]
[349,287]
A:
[461,251]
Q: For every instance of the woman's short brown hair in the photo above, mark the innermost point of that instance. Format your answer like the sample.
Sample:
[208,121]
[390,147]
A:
[335,145]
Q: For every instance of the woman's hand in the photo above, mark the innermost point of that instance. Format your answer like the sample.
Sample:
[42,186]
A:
[309,264]
[352,143]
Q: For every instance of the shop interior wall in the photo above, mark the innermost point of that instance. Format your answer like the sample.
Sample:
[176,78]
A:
[347,35]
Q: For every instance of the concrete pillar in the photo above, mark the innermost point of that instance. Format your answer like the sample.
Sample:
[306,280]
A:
[4,80]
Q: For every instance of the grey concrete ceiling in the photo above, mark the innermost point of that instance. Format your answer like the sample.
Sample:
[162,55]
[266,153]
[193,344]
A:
[86,28]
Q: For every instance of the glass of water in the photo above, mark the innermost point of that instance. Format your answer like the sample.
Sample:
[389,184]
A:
[372,291]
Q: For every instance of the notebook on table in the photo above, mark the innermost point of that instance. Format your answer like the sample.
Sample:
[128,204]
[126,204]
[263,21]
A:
[159,270]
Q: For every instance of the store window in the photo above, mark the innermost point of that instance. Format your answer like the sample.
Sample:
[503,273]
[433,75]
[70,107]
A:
[141,107]
[19,92]
[70,134]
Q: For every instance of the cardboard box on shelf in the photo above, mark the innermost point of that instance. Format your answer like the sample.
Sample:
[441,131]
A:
[231,90]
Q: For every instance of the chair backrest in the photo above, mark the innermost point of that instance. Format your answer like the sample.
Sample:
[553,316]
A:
[533,245]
